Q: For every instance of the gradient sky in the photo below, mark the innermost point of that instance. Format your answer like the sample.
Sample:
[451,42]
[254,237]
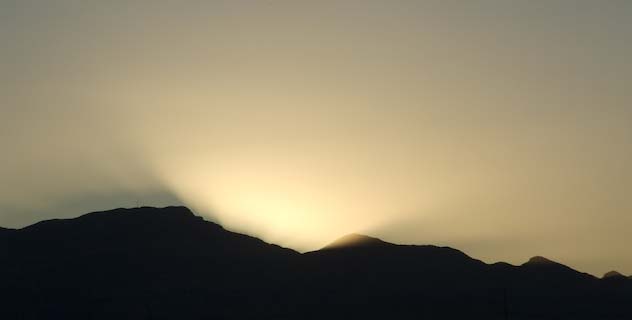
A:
[502,128]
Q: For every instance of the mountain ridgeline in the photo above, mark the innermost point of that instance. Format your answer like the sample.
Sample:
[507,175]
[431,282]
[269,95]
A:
[167,263]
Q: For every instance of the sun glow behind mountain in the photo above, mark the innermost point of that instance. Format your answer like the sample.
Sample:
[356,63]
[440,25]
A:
[499,128]
[301,203]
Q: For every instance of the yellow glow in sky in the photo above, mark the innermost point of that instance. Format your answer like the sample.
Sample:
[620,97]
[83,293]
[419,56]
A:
[499,128]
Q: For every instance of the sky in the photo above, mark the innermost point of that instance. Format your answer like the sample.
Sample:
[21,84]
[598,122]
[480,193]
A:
[501,128]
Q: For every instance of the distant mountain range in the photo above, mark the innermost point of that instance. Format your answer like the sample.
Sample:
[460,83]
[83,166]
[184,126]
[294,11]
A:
[167,263]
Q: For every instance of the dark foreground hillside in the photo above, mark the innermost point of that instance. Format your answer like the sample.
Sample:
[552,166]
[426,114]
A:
[149,263]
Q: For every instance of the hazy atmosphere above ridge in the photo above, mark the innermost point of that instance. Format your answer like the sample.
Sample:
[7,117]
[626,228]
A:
[499,128]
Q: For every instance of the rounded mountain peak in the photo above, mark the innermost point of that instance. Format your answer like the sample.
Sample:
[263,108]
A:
[355,240]
[613,275]
[539,260]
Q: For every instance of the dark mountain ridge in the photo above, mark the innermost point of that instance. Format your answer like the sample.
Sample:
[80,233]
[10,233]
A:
[150,263]
[613,275]
[355,240]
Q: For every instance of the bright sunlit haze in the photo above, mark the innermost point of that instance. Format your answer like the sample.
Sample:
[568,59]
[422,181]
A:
[499,128]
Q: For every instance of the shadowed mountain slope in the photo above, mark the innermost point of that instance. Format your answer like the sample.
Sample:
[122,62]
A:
[149,263]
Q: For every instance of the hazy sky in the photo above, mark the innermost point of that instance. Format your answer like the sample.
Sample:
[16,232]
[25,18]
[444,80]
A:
[502,128]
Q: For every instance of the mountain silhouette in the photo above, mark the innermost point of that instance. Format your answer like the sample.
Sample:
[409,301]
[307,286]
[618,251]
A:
[613,274]
[167,263]
[355,240]
[540,261]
